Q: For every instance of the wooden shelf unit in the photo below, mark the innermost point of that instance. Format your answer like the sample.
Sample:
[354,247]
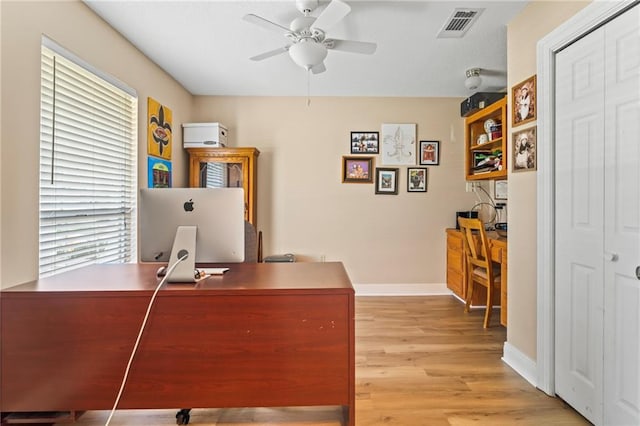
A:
[473,128]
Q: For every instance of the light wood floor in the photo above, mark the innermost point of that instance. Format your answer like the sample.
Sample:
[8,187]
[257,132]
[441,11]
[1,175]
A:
[419,361]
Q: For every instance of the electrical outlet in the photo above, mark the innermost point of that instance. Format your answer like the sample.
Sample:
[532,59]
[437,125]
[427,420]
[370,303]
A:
[471,186]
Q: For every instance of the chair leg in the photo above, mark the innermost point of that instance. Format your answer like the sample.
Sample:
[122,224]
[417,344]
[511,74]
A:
[467,304]
[487,313]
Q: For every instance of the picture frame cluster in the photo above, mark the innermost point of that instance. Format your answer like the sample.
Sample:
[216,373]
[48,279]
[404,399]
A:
[524,112]
[395,146]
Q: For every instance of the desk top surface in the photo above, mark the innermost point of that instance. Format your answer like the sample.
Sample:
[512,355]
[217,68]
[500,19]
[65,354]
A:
[241,277]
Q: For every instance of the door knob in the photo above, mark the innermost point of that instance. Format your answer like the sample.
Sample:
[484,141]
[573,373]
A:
[612,257]
[638,272]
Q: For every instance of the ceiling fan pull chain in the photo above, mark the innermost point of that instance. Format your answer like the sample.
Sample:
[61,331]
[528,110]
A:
[309,87]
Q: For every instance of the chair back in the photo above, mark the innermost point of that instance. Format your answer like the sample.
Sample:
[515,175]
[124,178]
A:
[476,244]
[250,243]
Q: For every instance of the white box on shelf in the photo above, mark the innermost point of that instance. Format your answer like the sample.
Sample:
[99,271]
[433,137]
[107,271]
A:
[204,135]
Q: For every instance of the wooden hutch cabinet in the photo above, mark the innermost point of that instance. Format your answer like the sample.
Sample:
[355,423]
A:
[227,168]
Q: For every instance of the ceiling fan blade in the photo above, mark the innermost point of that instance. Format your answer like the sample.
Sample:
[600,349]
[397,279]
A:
[331,15]
[270,53]
[364,47]
[265,23]
[319,68]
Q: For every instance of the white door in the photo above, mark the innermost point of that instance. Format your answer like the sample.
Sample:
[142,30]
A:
[598,223]
[579,224]
[622,221]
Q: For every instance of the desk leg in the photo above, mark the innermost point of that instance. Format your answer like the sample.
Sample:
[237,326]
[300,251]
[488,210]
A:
[348,415]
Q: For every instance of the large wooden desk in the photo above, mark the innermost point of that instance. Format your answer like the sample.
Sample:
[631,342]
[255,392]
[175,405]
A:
[457,275]
[262,335]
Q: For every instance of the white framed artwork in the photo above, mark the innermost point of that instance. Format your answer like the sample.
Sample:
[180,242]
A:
[398,146]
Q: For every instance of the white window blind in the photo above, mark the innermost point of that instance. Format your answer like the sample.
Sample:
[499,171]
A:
[87,167]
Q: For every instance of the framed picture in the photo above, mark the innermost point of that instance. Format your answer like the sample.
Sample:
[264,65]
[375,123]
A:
[386,181]
[429,153]
[357,169]
[159,172]
[523,102]
[416,179]
[159,132]
[398,144]
[365,142]
[524,150]
[500,189]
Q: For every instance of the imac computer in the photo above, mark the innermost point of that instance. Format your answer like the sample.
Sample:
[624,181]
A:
[204,224]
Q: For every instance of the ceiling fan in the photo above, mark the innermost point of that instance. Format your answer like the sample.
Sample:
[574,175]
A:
[308,42]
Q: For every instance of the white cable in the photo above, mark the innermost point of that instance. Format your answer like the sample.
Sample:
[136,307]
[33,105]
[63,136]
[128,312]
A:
[135,346]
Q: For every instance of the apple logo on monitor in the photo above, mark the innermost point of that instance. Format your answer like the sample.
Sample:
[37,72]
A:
[188,206]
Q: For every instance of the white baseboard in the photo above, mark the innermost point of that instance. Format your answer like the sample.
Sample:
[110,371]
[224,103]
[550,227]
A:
[436,289]
[522,364]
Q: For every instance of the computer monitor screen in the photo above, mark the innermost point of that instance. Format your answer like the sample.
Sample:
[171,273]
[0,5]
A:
[218,214]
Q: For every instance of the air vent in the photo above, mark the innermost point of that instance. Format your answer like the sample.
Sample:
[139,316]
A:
[459,23]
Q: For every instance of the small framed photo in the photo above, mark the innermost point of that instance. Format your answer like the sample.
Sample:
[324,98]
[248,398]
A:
[429,153]
[365,142]
[386,181]
[416,179]
[500,190]
[523,101]
[524,150]
[357,169]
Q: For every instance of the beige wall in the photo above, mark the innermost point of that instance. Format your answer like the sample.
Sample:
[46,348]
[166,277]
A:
[304,208]
[74,26]
[534,22]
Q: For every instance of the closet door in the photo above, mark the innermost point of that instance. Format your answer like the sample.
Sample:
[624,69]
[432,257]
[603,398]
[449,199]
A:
[622,221]
[579,293]
[598,223]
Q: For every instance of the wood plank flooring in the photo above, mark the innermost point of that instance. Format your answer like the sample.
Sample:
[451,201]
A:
[419,361]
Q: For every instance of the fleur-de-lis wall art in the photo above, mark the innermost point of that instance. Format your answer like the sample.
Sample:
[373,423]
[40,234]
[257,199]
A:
[398,144]
[159,130]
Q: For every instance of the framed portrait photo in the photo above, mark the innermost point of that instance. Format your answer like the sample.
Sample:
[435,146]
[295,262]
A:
[523,102]
[365,142]
[357,169]
[386,181]
[524,150]
[429,153]
[416,179]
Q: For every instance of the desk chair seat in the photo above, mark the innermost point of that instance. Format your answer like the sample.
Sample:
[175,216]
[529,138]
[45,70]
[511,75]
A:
[480,267]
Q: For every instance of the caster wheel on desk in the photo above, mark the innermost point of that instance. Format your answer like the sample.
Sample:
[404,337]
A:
[182,418]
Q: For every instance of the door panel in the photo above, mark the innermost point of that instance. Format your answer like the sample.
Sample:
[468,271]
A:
[579,224]
[622,221]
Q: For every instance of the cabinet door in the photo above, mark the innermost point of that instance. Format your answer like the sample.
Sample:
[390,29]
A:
[455,264]
[214,174]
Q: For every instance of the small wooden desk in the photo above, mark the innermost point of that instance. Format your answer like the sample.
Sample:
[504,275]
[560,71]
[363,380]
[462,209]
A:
[457,275]
[262,335]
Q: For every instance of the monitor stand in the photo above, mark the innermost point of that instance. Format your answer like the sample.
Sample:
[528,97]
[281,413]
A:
[185,241]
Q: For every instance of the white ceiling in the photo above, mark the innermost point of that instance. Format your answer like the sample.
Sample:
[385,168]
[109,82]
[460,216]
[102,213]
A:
[206,45]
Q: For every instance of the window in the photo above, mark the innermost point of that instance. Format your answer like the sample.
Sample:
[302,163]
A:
[87,165]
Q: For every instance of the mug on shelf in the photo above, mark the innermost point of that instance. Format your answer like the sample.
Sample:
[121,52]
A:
[482,139]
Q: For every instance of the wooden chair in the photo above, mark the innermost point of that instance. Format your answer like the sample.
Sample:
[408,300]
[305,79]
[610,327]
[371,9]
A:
[480,268]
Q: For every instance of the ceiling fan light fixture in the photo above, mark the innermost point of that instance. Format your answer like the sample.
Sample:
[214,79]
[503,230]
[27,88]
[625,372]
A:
[308,53]
[473,80]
